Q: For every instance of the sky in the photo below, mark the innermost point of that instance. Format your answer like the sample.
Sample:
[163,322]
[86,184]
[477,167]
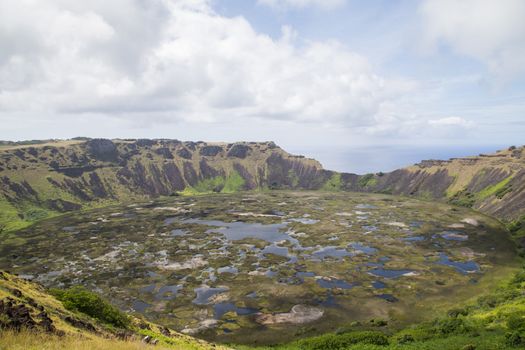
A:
[360,85]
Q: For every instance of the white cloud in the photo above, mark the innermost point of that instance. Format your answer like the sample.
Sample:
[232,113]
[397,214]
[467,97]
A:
[451,122]
[300,4]
[491,31]
[178,60]
[419,127]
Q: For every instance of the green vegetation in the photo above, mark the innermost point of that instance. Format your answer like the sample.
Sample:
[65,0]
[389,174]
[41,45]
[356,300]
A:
[463,198]
[368,180]
[230,184]
[342,341]
[294,179]
[334,183]
[71,329]
[499,189]
[9,217]
[215,184]
[517,227]
[234,183]
[80,299]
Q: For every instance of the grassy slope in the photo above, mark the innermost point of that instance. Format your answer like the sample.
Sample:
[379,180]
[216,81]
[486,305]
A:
[495,194]
[77,338]
[27,340]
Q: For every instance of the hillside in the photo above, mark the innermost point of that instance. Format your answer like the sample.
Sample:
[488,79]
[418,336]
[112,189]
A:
[46,178]
[491,183]
[31,318]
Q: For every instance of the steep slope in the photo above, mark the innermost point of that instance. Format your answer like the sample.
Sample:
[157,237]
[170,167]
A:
[44,179]
[31,318]
[493,184]
[49,177]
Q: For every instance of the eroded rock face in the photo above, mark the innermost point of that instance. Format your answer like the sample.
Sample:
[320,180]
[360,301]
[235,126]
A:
[414,183]
[145,142]
[62,205]
[207,172]
[239,151]
[249,180]
[101,169]
[102,149]
[210,151]
[190,174]
[165,152]
[289,173]
[184,153]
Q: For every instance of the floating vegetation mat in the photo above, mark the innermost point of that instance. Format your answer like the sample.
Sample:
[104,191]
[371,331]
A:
[225,266]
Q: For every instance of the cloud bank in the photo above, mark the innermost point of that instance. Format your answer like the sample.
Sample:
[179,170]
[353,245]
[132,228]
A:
[490,31]
[180,60]
[171,61]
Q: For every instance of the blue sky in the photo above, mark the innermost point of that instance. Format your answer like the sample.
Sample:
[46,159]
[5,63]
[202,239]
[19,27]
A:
[327,78]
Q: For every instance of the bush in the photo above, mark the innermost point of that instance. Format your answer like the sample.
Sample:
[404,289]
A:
[469,347]
[463,198]
[455,313]
[514,339]
[452,326]
[405,338]
[342,341]
[82,300]
[516,322]
[516,225]
[518,278]
[378,322]
[488,301]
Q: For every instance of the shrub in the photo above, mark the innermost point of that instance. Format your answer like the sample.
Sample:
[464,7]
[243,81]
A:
[514,339]
[378,322]
[405,338]
[451,326]
[82,300]
[342,341]
[516,225]
[488,301]
[455,313]
[463,198]
[516,322]
[518,278]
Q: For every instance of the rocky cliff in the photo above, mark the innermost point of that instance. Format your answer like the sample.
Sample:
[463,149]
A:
[45,178]
[491,183]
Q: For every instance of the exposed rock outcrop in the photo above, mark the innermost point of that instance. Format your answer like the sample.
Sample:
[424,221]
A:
[63,176]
